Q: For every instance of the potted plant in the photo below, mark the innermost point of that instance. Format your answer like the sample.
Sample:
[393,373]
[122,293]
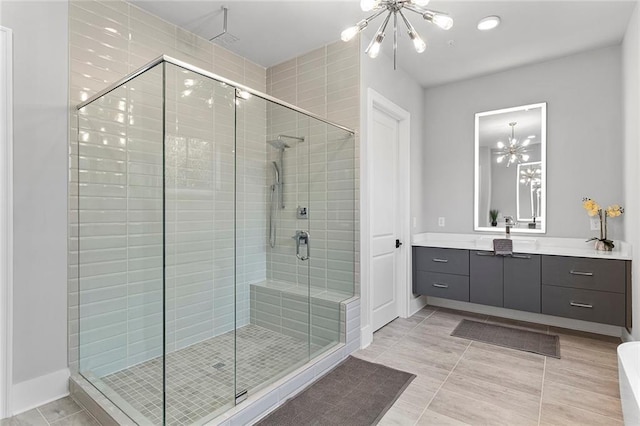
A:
[493,215]
[593,209]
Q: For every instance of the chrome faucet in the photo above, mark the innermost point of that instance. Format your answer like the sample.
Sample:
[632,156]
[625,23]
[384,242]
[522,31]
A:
[509,221]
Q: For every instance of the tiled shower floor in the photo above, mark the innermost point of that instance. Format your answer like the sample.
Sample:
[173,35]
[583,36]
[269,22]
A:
[200,378]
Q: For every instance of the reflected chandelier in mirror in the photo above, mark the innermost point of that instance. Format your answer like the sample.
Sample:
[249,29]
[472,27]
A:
[510,168]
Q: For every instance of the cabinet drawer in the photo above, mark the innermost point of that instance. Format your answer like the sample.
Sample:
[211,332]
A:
[448,261]
[447,286]
[579,272]
[587,305]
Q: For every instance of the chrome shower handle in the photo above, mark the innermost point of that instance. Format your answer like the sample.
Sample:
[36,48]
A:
[302,237]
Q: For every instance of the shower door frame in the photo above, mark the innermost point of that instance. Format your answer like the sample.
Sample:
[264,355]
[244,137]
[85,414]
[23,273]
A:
[6,222]
[205,73]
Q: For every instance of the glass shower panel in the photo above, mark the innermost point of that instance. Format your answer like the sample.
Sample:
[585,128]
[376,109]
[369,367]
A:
[119,237]
[272,183]
[332,223]
[200,250]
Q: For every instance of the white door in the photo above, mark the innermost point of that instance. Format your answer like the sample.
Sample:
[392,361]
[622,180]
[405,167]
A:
[384,145]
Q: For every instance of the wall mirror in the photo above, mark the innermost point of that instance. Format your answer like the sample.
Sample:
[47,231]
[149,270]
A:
[510,169]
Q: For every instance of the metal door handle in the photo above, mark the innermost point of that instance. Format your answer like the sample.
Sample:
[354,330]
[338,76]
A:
[484,253]
[581,305]
[583,274]
[520,256]
[440,260]
[440,285]
[302,237]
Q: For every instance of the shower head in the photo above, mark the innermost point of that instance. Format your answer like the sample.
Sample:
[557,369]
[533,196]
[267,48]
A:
[278,144]
[276,170]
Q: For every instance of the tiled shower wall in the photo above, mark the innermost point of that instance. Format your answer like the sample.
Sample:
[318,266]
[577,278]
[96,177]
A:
[326,82]
[109,39]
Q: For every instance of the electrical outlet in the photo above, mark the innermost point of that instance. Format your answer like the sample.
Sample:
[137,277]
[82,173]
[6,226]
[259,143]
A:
[441,221]
[595,224]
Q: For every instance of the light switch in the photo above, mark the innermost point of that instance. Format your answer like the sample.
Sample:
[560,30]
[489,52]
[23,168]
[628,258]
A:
[595,224]
[441,221]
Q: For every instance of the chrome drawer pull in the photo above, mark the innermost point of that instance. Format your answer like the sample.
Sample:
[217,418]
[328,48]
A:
[581,305]
[440,260]
[440,285]
[582,274]
[484,253]
[520,256]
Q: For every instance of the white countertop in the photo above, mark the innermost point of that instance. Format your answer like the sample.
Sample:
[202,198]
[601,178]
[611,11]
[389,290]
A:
[524,244]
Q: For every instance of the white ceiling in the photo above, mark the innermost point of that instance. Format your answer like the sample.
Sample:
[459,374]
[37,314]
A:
[270,32]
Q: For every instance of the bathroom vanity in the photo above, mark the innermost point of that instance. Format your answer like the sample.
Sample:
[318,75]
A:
[563,277]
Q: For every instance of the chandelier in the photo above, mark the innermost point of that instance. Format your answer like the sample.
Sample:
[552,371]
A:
[531,175]
[395,7]
[514,151]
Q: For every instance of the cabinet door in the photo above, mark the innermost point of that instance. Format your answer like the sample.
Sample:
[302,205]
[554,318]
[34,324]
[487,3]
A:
[485,278]
[522,283]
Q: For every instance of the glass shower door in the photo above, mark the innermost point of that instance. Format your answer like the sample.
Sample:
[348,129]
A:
[199,169]
[272,273]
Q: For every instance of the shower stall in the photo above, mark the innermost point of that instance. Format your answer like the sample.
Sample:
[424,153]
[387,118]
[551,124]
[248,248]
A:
[215,241]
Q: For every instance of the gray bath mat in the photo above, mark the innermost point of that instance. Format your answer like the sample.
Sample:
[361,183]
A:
[508,337]
[356,392]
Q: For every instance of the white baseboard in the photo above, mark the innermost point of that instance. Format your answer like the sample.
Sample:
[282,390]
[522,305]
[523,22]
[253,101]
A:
[591,327]
[366,336]
[417,303]
[626,336]
[41,390]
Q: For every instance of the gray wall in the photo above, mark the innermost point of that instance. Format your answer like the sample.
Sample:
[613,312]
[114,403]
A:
[402,90]
[584,155]
[40,186]
[631,99]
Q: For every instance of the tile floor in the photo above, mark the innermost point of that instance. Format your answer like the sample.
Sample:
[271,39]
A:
[63,412]
[464,382]
[200,378]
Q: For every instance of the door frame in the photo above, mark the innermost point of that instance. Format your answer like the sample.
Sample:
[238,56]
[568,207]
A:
[375,101]
[6,221]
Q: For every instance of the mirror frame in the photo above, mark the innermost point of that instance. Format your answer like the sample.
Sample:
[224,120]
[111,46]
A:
[543,159]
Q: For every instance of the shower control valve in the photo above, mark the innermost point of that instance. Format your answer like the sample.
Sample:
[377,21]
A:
[303,213]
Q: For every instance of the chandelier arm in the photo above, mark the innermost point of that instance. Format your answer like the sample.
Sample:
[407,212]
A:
[375,15]
[395,38]
[406,22]
[380,31]
[416,10]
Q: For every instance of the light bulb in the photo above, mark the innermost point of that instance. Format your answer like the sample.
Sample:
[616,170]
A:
[500,144]
[367,5]
[374,50]
[525,157]
[374,47]
[499,159]
[421,3]
[418,43]
[443,21]
[349,33]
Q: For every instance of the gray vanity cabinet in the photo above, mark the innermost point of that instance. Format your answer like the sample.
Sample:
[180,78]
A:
[441,272]
[522,282]
[485,278]
[589,289]
[595,290]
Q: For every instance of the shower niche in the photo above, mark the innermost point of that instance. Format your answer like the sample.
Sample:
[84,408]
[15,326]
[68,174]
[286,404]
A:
[199,283]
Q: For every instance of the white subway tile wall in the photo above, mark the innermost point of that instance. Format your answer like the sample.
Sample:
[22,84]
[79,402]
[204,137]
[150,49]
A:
[326,82]
[122,253]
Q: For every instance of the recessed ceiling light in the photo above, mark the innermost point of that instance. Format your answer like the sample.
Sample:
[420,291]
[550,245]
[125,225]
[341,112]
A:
[488,23]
